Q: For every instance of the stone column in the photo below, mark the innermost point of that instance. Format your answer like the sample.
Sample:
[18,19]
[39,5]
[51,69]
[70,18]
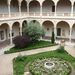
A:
[40,9]
[21,29]
[9,8]
[20,9]
[72,6]
[11,41]
[70,34]
[28,8]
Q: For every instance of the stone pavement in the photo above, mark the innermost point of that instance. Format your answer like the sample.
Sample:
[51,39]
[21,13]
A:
[6,65]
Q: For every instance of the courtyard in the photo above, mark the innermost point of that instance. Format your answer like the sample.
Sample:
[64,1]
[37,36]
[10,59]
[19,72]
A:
[6,64]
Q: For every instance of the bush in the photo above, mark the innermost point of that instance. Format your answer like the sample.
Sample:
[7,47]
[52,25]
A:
[34,30]
[21,41]
[20,58]
[61,49]
[53,38]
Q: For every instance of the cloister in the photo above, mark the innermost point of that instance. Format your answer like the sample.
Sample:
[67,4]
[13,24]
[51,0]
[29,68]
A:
[62,30]
[52,15]
[37,8]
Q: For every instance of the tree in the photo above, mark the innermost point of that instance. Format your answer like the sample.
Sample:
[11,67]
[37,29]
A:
[53,38]
[34,30]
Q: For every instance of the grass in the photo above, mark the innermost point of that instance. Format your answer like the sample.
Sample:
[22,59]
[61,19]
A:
[20,62]
[38,44]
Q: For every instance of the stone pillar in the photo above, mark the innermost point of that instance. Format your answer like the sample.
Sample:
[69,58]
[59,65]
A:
[20,9]
[40,9]
[21,29]
[9,8]
[11,41]
[70,34]
[72,5]
[28,8]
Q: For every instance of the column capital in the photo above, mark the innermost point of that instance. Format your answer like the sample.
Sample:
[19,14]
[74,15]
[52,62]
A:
[19,4]
[9,1]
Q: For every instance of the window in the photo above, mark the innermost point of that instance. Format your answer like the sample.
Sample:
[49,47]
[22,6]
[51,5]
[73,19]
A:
[58,31]
[53,8]
[2,35]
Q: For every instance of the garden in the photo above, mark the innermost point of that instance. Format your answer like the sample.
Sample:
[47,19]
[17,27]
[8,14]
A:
[57,62]
[47,63]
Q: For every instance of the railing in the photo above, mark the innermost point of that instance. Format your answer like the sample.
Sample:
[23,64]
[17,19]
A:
[47,14]
[35,14]
[63,14]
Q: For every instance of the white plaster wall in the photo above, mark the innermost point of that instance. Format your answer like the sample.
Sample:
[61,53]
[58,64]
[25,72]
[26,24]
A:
[48,25]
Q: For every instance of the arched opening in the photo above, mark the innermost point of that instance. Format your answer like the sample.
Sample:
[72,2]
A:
[73,33]
[24,6]
[3,6]
[14,6]
[63,30]
[4,32]
[34,7]
[24,24]
[64,7]
[49,28]
[48,6]
[16,29]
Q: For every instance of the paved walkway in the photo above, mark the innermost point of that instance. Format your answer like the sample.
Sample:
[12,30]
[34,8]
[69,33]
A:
[6,65]
[6,60]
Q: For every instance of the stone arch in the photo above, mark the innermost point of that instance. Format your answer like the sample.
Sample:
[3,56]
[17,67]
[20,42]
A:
[24,23]
[3,6]
[15,29]
[4,31]
[64,7]
[14,4]
[49,28]
[24,6]
[63,30]
[34,21]
[48,6]
[34,6]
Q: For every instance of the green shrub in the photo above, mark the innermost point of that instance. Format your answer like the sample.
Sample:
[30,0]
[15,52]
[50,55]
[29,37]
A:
[34,30]
[61,49]
[20,58]
[21,41]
